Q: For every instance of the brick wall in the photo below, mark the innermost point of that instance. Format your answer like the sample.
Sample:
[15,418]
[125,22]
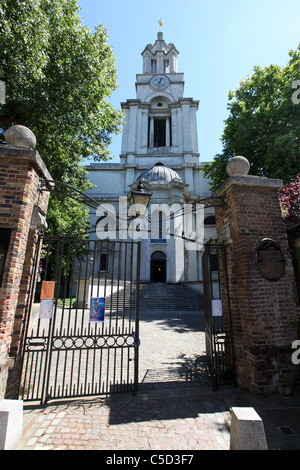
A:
[262,311]
[20,171]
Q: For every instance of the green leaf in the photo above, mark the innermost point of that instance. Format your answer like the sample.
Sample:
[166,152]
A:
[263,125]
[59,75]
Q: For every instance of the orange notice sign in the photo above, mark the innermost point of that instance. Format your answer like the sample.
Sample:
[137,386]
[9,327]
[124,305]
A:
[47,292]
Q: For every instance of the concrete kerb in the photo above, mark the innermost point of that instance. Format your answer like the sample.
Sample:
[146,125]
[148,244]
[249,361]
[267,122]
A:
[247,430]
[11,423]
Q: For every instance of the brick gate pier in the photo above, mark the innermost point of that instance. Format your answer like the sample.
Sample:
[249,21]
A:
[23,210]
[261,279]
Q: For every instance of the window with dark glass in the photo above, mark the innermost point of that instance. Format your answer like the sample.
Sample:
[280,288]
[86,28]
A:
[210,220]
[214,262]
[157,229]
[159,132]
[103,262]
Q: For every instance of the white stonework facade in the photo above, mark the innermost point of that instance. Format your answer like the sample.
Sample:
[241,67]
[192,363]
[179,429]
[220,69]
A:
[159,146]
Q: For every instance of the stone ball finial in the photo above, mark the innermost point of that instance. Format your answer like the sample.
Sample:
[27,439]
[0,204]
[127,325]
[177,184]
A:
[20,136]
[238,166]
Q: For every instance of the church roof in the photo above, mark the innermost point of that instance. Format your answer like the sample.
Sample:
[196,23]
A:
[159,172]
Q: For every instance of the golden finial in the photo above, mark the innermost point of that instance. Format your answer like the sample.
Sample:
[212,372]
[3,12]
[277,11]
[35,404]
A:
[160,24]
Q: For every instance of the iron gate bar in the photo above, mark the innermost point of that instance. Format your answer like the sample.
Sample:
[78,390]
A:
[26,365]
[48,363]
[219,348]
[67,355]
[68,191]
[211,201]
[230,349]
[31,290]
[137,331]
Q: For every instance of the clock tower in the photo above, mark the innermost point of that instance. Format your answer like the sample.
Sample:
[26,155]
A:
[159,147]
[160,122]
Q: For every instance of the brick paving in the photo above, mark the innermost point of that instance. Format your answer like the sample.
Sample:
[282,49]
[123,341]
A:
[174,409]
[148,421]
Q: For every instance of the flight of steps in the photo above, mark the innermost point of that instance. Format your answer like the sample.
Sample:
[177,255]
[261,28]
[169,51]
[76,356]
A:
[161,297]
[157,297]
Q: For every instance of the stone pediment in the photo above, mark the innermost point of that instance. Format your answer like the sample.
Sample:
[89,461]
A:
[159,46]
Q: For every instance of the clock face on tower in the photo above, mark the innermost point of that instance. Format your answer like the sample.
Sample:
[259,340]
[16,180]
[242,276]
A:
[159,82]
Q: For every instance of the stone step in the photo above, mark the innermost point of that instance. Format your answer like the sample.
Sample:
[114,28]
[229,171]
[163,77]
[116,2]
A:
[158,297]
[169,297]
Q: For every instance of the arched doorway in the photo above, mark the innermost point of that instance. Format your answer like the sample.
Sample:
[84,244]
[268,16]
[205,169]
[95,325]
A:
[158,267]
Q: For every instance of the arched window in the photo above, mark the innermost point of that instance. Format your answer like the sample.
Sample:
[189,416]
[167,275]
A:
[210,220]
[158,255]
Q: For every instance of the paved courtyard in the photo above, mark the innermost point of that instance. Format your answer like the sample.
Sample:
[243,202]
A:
[173,409]
[172,346]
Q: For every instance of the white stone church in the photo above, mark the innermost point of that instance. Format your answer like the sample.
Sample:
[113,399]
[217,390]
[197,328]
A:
[159,147]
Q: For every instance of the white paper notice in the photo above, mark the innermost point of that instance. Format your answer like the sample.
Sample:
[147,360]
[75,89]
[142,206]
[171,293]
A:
[217,310]
[46,308]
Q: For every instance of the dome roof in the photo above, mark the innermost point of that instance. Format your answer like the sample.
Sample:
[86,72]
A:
[159,172]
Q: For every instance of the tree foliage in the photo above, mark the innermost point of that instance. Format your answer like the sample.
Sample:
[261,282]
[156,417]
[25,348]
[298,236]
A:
[59,76]
[263,124]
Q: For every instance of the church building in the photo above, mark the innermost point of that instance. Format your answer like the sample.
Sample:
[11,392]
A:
[160,149]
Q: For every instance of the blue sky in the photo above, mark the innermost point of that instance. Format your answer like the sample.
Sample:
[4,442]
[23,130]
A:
[219,43]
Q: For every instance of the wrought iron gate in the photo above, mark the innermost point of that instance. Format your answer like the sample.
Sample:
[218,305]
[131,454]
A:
[74,345]
[219,350]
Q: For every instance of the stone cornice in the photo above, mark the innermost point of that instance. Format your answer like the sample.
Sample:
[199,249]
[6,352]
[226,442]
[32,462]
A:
[248,180]
[25,154]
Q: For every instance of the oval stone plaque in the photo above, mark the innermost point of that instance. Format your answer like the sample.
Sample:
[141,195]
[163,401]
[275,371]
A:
[270,259]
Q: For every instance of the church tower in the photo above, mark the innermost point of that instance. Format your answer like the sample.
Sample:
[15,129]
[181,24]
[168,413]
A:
[159,147]
[160,122]
[160,138]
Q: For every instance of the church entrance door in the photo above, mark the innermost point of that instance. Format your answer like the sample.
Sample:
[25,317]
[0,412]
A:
[158,267]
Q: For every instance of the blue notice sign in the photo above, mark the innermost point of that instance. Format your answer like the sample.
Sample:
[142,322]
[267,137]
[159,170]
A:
[97,309]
